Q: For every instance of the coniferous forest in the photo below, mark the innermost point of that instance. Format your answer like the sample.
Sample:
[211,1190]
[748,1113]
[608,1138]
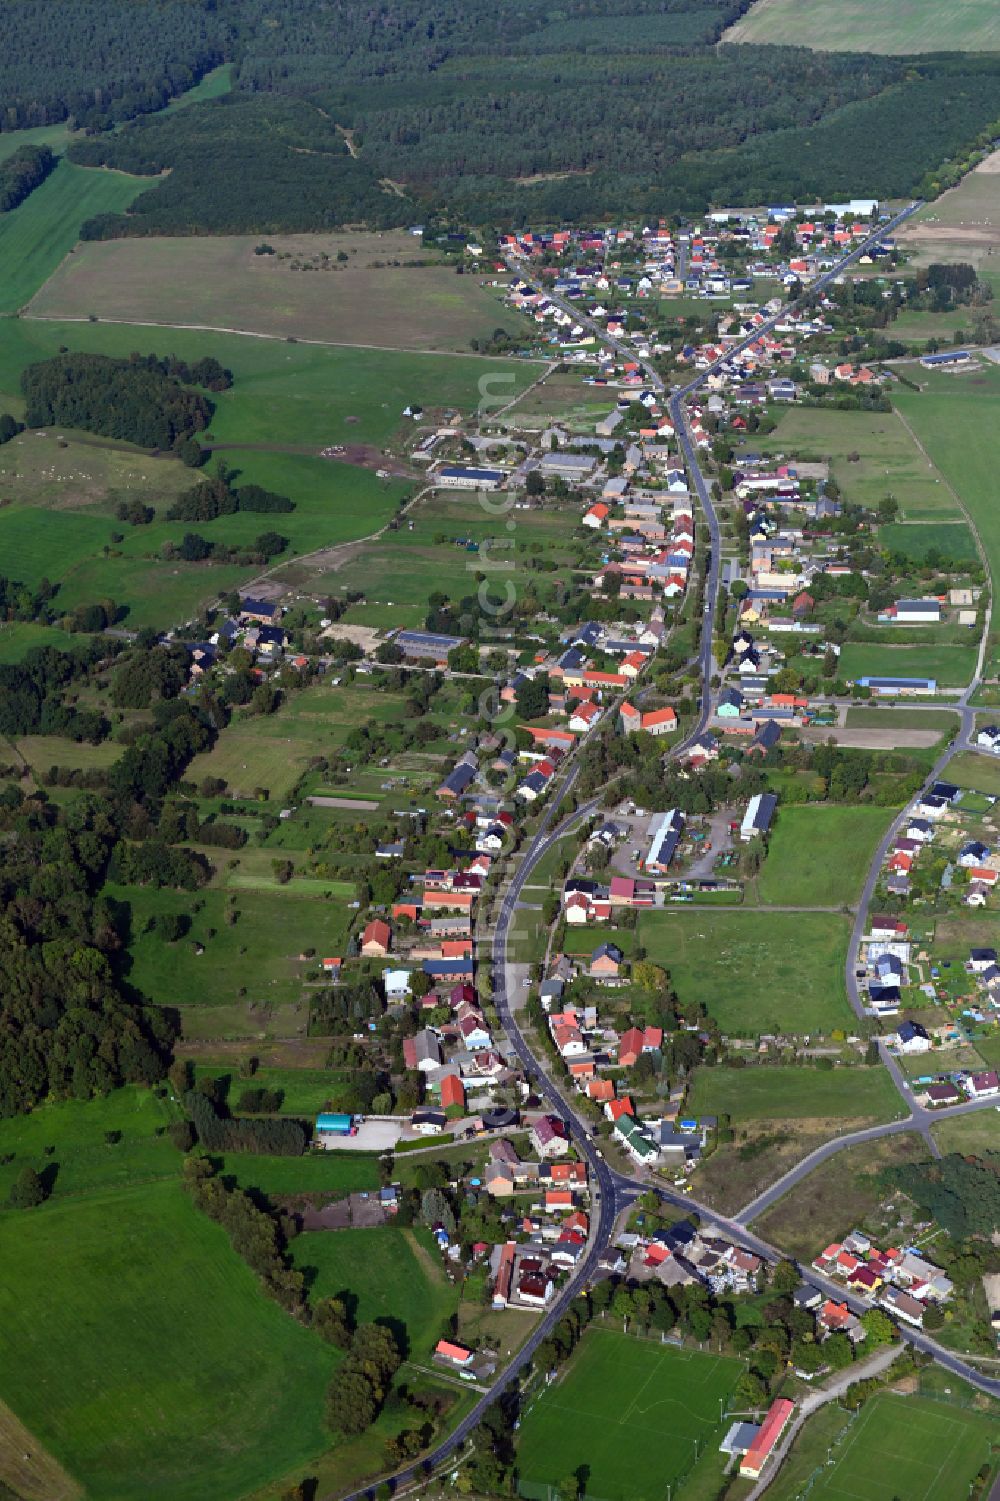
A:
[499,116]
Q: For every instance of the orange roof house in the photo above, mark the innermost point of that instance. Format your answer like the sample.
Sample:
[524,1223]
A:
[376,939]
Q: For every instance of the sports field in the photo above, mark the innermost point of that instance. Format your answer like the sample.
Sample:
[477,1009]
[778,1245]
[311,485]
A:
[754,971]
[818,854]
[912,1447]
[36,235]
[893,26]
[139,1348]
[628,1414]
[390,1275]
[379,295]
[779,1093]
[871,455]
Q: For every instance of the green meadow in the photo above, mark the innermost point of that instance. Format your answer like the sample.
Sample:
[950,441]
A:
[818,853]
[779,1093]
[141,1351]
[755,971]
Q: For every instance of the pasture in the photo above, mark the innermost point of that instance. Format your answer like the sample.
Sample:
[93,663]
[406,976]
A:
[818,854]
[333,1173]
[82,1160]
[19,636]
[950,666]
[908,1446]
[871,455]
[36,235]
[390,1276]
[754,971]
[385,293]
[258,955]
[125,1324]
[962,225]
[789,1093]
[631,1415]
[895,26]
[75,471]
[305,1091]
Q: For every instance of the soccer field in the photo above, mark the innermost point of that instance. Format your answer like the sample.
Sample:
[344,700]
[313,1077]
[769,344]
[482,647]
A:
[909,1447]
[631,1416]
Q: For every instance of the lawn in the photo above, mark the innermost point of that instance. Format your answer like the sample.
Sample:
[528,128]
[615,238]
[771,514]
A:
[950,666]
[259,954]
[912,1447]
[391,1276]
[631,1414]
[82,1160]
[786,1093]
[901,719]
[818,854]
[901,26]
[305,1090]
[755,972]
[140,1349]
[379,295]
[36,235]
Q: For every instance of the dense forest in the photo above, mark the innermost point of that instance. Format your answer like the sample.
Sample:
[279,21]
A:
[22,173]
[97,62]
[137,400]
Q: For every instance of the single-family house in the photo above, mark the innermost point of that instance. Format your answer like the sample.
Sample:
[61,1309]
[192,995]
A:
[376,939]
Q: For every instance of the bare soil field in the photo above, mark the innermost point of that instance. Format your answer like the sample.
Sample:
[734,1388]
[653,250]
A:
[363,289]
[873,739]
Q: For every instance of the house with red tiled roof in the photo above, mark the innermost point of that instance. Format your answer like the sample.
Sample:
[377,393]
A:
[376,939]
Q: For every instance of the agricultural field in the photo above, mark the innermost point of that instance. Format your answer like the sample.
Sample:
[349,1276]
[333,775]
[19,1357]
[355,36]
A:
[628,1413]
[125,1322]
[871,455]
[390,1276]
[383,294]
[896,26]
[950,666]
[755,972]
[910,1446]
[841,1192]
[36,235]
[563,396]
[818,854]
[787,1093]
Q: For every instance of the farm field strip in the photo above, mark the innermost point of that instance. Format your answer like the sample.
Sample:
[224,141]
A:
[895,26]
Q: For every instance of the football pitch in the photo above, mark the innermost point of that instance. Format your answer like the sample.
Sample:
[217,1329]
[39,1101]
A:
[909,1447]
[629,1416]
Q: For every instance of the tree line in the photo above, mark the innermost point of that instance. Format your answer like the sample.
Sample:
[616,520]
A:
[22,173]
[218,497]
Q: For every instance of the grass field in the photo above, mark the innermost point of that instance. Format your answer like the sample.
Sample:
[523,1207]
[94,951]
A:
[902,719]
[141,1351]
[755,971]
[895,26]
[969,769]
[625,1412]
[18,637]
[82,1160]
[978,1132]
[335,1173]
[888,461]
[950,666]
[777,1093]
[390,1276]
[950,539]
[963,224]
[36,235]
[911,1447]
[818,854]
[259,954]
[305,1090]
[219,282]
